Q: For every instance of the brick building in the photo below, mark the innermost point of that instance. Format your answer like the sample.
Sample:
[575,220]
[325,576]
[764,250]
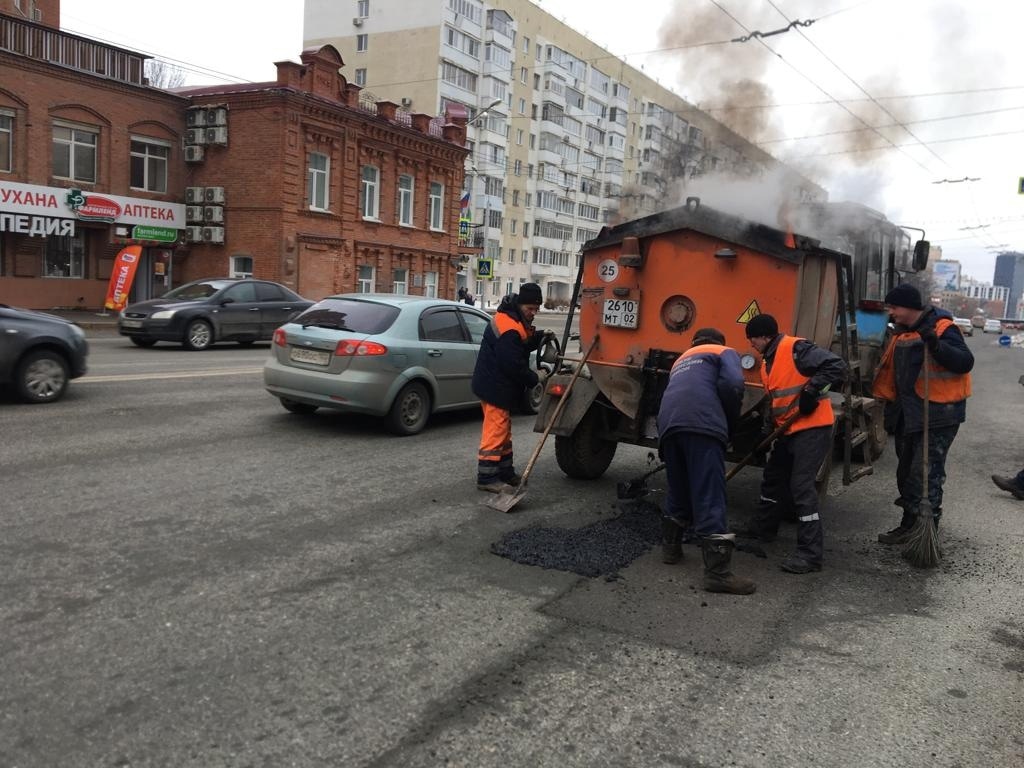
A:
[296,180]
[322,191]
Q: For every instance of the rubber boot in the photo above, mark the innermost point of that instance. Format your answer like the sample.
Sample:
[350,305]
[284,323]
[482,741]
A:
[901,532]
[717,551]
[671,541]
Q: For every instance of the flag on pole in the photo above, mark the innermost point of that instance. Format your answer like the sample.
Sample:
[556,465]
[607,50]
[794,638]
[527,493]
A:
[121,277]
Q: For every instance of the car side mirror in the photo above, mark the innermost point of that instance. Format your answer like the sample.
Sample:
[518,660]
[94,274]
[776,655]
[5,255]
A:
[921,249]
[225,302]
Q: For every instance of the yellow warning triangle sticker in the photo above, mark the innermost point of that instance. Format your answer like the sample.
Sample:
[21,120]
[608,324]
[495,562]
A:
[749,313]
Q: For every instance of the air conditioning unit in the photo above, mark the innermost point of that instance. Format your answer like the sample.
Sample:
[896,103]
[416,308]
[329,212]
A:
[217,116]
[195,136]
[406,101]
[213,234]
[194,213]
[215,195]
[217,135]
[195,117]
[194,234]
[194,154]
[213,214]
[195,195]
[357,21]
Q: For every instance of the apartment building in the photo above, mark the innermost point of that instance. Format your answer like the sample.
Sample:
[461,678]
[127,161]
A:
[564,137]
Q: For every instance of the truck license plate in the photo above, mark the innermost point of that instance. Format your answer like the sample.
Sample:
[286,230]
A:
[621,313]
[312,356]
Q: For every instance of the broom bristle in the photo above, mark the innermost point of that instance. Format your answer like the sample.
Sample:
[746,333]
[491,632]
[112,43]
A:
[921,549]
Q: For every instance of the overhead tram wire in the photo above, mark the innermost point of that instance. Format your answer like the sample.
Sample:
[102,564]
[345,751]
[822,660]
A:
[830,96]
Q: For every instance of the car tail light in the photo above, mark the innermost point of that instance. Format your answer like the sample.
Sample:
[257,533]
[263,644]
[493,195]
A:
[353,348]
[280,338]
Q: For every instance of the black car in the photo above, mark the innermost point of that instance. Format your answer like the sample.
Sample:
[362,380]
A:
[202,312]
[39,353]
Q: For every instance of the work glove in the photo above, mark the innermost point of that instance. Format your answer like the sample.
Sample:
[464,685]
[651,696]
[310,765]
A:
[927,334]
[808,400]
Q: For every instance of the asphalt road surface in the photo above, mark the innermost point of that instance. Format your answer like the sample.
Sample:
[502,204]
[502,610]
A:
[194,577]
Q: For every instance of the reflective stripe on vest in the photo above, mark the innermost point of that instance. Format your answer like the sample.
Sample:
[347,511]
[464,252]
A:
[784,384]
[944,386]
[714,349]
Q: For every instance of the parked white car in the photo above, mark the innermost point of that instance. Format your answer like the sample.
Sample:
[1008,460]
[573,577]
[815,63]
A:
[992,326]
[964,324]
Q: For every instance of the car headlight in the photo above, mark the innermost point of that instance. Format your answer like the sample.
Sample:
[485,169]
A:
[163,314]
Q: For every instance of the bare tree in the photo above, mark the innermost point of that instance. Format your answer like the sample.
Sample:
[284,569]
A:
[162,74]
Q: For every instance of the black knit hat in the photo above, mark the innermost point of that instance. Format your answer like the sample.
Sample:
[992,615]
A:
[762,325]
[904,295]
[708,336]
[529,293]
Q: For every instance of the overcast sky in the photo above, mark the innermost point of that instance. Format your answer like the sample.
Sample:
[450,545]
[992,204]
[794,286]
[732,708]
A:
[821,97]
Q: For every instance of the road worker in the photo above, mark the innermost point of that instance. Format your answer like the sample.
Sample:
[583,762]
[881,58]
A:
[797,375]
[900,381]
[501,376]
[701,403]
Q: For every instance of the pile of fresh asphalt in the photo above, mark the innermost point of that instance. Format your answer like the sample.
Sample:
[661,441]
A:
[598,549]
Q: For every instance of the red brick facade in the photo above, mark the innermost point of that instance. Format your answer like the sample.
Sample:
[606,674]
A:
[272,129]
[260,158]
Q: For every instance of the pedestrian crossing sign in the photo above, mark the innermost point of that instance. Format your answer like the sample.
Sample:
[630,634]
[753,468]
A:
[485,267]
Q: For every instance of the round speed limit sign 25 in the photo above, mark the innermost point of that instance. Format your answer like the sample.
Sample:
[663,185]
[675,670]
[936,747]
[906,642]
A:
[608,270]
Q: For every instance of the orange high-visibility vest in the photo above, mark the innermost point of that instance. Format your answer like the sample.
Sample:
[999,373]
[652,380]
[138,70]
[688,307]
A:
[784,384]
[502,324]
[943,386]
[715,349]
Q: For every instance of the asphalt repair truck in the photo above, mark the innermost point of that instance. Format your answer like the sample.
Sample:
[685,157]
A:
[644,286]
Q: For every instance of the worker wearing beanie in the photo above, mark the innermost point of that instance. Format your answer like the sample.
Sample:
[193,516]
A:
[501,376]
[899,381]
[797,375]
[701,403]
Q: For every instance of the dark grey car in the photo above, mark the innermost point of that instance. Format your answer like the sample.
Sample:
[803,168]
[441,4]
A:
[39,353]
[204,312]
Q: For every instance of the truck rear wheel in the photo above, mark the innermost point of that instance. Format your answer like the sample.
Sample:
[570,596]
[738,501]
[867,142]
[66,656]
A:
[585,455]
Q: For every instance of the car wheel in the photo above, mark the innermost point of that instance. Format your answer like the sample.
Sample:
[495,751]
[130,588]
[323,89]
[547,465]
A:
[42,377]
[142,341]
[532,399]
[303,409]
[198,335]
[410,411]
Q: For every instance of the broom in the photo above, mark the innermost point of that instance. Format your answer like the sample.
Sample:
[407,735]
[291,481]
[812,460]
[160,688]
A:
[921,549]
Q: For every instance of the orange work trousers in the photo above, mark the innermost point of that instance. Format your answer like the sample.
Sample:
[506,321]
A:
[494,460]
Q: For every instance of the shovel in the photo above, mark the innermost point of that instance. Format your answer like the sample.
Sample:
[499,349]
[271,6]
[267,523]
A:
[504,502]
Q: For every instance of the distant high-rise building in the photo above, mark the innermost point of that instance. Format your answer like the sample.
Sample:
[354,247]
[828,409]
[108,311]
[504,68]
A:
[1009,273]
[564,136]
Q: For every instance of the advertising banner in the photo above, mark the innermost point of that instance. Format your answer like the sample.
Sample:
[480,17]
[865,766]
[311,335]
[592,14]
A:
[946,276]
[121,277]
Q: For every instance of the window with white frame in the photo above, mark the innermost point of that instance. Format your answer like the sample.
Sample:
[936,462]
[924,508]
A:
[509,287]
[364,279]
[317,194]
[430,285]
[362,43]
[400,281]
[149,164]
[361,76]
[65,256]
[370,188]
[241,266]
[362,8]
[74,152]
[405,190]
[479,287]
[436,205]
[6,141]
